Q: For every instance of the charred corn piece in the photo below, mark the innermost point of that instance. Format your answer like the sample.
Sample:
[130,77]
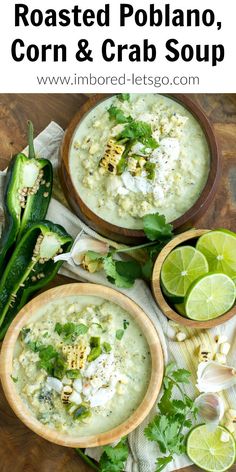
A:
[65,394]
[112,156]
[132,165]
[221,338]
[204,354]
[224,348]
[76,356]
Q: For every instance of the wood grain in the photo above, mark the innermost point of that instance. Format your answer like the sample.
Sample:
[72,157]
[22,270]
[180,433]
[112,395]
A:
[22,450]
[187,237]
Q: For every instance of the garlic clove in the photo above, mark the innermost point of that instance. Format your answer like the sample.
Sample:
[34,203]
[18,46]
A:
[81,246]
[214,377]
[85,244]
[210,409]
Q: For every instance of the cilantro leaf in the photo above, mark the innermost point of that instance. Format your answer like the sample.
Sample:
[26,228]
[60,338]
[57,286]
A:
[70,331]
[174,415]
[119,334]
[181,376]
[113,459]
[155,227]
[124,96]
[166,433]
[162,462]
[118,115]
[138,131]
[110,268]
[94,256]
[130,269]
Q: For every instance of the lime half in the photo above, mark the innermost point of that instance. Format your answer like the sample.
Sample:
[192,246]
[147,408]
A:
[180,268]
[219,248]
[207,451]
[210,296]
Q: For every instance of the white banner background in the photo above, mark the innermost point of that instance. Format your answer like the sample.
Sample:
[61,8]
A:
[22,76]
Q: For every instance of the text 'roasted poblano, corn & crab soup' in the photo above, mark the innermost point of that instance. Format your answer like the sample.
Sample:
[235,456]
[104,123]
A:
[82,365]
[137,154]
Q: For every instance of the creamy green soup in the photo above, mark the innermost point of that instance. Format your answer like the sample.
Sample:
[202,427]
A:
[145,154]
[82,366]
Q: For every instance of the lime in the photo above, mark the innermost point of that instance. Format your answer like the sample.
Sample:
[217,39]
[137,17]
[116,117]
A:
[219,248]
[207,451]
[180,307]
[210,296]
[180,268]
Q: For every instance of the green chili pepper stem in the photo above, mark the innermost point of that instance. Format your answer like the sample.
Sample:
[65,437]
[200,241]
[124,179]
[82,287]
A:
[86,459]
[31,153]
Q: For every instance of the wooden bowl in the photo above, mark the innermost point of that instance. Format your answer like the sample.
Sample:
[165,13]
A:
[187,237]
[132,236]
[20,408]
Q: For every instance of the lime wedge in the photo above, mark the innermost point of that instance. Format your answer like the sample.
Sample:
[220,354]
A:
[219,248]
[180,268]
[206,450]
[210,296]
[180,307]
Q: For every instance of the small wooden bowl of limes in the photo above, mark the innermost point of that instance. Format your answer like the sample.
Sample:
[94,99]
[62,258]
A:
[194,278]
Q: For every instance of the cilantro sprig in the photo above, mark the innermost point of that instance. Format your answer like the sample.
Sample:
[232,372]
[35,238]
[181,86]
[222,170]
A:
[174,414]
[124,273]
[69,331]
[113,459]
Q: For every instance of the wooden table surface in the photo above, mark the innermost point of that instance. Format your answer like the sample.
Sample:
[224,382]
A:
[22,450]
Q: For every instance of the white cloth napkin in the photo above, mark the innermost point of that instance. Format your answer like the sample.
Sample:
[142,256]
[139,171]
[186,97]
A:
[143,452]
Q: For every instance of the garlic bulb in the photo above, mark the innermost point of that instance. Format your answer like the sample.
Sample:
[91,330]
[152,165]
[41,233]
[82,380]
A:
[214,377]
[210,408]
[82,244]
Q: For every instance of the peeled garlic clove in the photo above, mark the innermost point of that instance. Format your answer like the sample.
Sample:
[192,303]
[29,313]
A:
[214,377]
[210,408]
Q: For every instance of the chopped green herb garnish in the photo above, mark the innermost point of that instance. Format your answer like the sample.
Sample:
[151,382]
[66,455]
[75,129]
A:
[125,324]
[82,412]
[150,168]
[73,374]
[107,347]
[124,97]
[95,341]
[118,115]
[119,334]
[15,379]
[70,331]
[33,345]
[94,353]
[138,131]
[24,333]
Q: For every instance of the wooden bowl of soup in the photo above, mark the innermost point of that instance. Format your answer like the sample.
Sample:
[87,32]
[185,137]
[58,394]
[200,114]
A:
[188,238]
[81,365]
[125,157]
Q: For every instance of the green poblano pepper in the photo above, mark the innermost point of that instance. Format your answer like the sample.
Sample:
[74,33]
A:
[30,267]
[27,195]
